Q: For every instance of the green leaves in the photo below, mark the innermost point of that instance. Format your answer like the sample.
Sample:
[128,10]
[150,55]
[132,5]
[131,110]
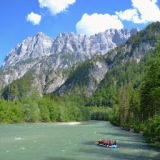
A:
[152,131]
[150,90]
[17,89]
[34,108]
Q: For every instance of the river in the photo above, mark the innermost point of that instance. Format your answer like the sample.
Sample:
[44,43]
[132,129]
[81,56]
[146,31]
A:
[49,141]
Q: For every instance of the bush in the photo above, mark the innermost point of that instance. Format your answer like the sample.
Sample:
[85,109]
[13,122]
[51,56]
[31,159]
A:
[152,132]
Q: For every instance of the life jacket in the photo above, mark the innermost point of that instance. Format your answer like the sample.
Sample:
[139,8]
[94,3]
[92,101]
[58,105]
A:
[111,143]
[107,142]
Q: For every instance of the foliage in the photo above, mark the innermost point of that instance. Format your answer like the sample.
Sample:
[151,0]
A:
[34,108]
[18,88]
[148,35]
[152,131]
[10,112]
[150,89]
[99,113]
[80,75]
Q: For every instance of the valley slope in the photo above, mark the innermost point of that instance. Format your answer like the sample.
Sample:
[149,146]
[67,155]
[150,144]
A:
[46,58]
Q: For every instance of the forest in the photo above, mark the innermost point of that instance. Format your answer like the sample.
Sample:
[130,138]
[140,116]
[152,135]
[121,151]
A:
[131,96]
[34,108]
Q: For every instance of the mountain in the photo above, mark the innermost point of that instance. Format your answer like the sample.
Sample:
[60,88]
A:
[58,72]
[84,78]
[94,74]
[82,46]
[42,54]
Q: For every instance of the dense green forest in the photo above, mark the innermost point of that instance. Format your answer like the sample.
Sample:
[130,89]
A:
[34,108]
[131,95]
[128,96]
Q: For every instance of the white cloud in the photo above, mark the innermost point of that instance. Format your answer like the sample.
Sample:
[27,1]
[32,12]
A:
[34,18]
[95,23]
[148,9]
[56,6]
[128,14]
[143,11]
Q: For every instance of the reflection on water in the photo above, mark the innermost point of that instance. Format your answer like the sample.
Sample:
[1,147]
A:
[71,142]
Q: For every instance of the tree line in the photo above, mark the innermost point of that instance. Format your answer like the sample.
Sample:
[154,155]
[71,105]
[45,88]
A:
[34,108]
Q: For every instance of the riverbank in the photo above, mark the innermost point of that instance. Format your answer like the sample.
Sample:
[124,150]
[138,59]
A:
[61,123]
[147,131]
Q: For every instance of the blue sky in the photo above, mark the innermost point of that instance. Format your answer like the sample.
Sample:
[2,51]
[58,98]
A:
[24,18]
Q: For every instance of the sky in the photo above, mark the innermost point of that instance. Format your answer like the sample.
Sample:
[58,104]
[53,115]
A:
[20,19]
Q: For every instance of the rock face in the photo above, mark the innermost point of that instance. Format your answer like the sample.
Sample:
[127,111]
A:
[52,62]
[82,47]
[46,58]
[87,84]
[97,69]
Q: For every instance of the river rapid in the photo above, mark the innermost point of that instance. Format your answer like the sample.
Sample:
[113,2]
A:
[56,141]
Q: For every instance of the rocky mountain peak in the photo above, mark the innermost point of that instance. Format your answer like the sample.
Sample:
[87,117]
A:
[134,30]
[40,35]
[47,59]
[81,46]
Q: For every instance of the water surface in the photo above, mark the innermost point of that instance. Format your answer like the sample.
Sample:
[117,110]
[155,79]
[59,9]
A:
[71,142]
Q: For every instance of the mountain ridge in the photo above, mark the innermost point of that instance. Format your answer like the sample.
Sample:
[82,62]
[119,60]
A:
[82,46]
[134,49]
[52,73]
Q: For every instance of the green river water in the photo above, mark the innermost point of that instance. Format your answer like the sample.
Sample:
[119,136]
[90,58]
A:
[71,142]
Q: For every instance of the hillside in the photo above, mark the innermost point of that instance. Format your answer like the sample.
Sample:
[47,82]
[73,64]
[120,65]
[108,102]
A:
[105,70]
[84,78]
[82,47]
[41,54]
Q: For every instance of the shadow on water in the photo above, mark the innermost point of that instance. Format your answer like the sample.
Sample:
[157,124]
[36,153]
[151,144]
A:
[91,143]
[114,153]
[130,145]
[120,136]
[131,151]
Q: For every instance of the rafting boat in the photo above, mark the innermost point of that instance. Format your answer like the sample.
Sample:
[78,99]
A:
[107,146]
[113,146]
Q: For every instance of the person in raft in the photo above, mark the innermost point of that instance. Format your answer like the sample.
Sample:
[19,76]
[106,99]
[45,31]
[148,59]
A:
[104,143]
[110,143]
[114,143]
[107,142]
[100,141]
